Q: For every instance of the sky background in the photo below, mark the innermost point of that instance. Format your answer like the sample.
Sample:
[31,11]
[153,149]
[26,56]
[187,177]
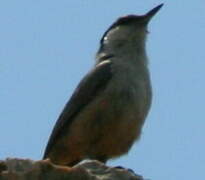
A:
[46,47]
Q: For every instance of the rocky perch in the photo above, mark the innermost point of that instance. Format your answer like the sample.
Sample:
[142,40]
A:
[25,169]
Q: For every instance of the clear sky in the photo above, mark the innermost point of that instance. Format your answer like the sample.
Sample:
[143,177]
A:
[47,46]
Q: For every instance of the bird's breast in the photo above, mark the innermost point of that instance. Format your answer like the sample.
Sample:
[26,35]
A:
[130,90]
[113,120]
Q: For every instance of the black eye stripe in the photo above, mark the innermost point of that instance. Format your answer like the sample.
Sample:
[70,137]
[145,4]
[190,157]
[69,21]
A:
[127,19]
[121,21]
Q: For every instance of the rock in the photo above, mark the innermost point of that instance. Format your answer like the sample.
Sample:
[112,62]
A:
[25,169]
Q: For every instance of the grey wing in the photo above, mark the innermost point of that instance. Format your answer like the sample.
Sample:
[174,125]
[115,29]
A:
[90,86]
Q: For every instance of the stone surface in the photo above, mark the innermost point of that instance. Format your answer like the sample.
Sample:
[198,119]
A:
[25,169]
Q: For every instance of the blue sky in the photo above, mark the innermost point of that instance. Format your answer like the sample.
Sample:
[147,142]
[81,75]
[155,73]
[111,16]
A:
[47,46]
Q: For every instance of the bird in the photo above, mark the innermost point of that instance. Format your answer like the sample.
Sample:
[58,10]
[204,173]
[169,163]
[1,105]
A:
[105,114]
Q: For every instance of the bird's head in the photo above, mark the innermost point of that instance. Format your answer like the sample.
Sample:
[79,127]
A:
[128,31]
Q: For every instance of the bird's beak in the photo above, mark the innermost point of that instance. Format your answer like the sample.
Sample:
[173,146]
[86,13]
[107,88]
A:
[151,13]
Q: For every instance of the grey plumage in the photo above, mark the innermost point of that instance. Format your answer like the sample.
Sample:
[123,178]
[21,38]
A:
[106,112]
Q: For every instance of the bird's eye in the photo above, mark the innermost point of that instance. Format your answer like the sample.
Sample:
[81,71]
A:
[119,43]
